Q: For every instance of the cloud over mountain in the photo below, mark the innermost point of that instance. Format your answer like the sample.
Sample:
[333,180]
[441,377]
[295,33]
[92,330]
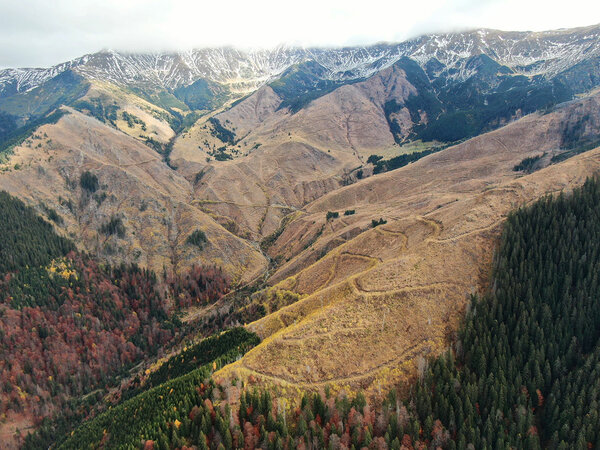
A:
[64,29]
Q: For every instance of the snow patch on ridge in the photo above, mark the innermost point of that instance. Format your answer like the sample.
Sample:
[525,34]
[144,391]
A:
[546,54]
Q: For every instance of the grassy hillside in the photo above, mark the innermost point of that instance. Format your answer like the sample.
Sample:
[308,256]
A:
[523,373]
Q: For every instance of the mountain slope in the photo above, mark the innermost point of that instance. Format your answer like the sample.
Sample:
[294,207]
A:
[267,166]
[444,55]
[383,297]
[135,188]
[522,373]
[388,114]
[313,119]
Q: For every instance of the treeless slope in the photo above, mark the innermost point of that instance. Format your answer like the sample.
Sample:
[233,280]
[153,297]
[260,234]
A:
[301,156]
[135,185]
[350,119]
[380,301]
[257,191]
[479,164]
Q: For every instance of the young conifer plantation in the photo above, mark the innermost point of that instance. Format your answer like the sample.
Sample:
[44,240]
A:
[524,372]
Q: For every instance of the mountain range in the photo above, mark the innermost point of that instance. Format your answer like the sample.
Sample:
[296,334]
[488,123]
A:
[525,53]
[353,198]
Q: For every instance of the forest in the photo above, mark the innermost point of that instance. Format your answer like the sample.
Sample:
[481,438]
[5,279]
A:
[16,136]
[199,354]
[69,325]
[524,372]
[181,405]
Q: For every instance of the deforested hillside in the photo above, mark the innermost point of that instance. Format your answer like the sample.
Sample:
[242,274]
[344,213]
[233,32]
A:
[387,284]
[518,375]
[135,199]
[298,123]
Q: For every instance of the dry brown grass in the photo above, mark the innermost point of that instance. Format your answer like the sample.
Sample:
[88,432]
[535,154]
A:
[391,295]
[156,127]
[300,157]
[152,200]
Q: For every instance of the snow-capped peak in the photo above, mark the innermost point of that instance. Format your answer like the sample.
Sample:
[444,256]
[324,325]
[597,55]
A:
[529,53]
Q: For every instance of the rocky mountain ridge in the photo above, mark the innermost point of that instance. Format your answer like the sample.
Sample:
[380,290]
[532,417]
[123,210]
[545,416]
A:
[528,53]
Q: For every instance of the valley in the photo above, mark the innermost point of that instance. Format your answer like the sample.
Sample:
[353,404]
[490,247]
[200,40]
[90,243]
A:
[344,207]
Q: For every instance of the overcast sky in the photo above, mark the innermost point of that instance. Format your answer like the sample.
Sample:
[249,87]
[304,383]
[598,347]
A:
[46,32]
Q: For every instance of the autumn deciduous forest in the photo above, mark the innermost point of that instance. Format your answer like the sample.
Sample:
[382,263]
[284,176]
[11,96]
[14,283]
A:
[69,325]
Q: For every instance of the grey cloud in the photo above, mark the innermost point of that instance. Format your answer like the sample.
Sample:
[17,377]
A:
[45,32]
